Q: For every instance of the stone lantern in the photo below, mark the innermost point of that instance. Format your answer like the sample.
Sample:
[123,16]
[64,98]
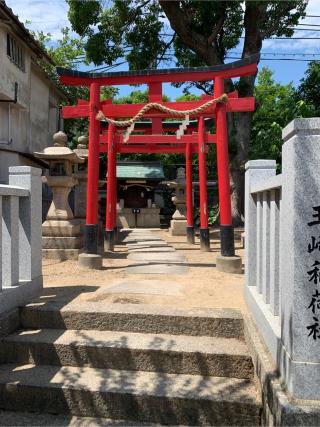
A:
[61,233]
[178,224]
[81,174]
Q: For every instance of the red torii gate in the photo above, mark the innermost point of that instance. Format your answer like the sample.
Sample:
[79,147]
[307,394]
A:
[156,142]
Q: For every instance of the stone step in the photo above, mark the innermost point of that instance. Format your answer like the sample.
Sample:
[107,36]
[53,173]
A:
[210,356]
[137,396]
[9,418]
[143,318]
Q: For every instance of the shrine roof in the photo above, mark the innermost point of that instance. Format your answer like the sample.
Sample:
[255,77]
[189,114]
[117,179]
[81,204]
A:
[230,69]
[139,170]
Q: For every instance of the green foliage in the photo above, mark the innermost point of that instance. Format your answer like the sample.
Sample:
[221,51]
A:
[276,106]
[129,29]
[66,52]
[206,17]
[213,216]
[188,97]
[107,92]
[137,97]
[137,30]
[309,89]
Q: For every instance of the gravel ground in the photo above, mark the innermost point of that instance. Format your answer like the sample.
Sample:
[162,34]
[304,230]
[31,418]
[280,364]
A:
[202,286]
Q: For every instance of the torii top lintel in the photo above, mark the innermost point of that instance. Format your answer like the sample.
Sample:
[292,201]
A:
[244,67]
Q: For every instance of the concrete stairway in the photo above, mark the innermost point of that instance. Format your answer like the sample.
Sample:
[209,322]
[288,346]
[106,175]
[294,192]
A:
[141,363]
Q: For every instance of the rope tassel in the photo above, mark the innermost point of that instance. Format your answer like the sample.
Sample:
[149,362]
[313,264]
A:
[183,126]
[128,132]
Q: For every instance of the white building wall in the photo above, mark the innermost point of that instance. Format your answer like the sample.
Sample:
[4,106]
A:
[28,125]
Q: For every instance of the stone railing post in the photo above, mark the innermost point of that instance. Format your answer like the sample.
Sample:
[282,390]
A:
[299,358]
[30,219]
[257,171]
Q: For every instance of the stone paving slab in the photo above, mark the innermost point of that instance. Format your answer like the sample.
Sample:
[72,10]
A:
[157,269]
[148,243]
[139,239]
[156,257]
[147,249]
[140,235]
[148,287]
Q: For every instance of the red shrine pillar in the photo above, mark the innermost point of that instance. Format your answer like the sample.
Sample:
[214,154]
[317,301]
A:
[189,204]
[115,200]
[91,228]
[204,230]
[226,227]
[155,95]
[111,189]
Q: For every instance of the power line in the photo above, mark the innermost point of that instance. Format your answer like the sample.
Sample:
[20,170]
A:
[309,25]
[106,68]
[290,38]
[304,29]
[278,59]
[280,53]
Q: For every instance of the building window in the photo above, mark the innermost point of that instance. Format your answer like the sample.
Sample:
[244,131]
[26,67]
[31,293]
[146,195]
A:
[15,52]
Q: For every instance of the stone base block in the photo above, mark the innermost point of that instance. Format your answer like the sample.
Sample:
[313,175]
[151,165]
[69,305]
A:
[91,261]
[242,239]
[61,254]
[109,238]
[178,227]
[230,264]
[9,322]
[279,408]
[75,242]
[204,239]
[61,228]
[190,235]
[20,295]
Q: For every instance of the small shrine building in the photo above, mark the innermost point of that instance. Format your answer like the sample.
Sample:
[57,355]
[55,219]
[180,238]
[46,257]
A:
[137,202]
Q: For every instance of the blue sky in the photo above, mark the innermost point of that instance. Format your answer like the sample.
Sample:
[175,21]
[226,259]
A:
[51,15]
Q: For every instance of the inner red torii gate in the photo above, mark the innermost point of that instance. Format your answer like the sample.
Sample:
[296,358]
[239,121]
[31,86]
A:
[155,142]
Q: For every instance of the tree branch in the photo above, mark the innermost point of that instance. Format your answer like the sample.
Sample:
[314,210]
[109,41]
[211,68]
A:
[219,26]
[166,46]
[276,20]
[181,22]
[254,17]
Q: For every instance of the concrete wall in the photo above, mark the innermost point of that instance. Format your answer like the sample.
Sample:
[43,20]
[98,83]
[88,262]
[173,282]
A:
[8,158]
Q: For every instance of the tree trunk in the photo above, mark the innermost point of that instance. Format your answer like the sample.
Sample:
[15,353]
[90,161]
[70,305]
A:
[239,124]
[241,129]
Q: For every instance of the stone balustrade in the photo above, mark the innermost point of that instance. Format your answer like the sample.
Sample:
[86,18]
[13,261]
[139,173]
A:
[20,237]
[282,230]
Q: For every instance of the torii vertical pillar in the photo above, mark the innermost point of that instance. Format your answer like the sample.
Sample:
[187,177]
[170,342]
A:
[204,230]
[90,257]
[111,190]
[115,195]
[189,202]
[227,261]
